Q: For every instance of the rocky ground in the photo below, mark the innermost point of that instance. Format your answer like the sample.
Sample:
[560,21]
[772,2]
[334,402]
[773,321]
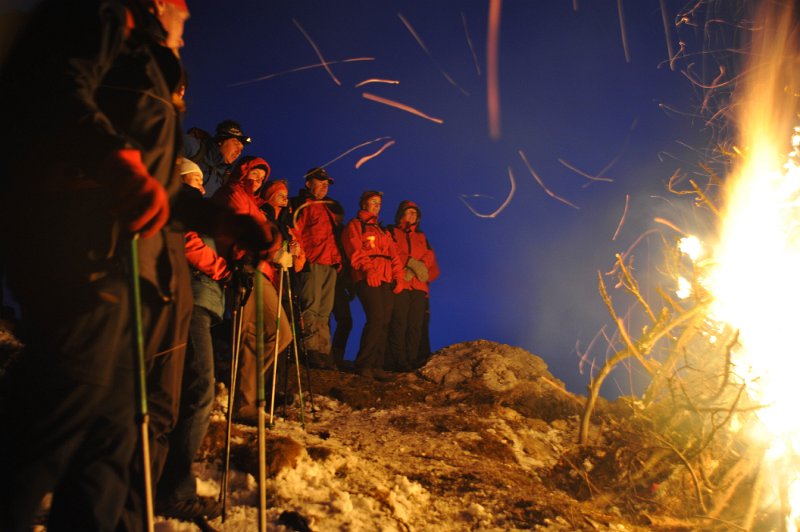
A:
[481,438]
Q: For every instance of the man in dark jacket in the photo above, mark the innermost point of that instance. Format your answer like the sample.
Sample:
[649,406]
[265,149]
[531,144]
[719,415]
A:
[89,90]
[215,155]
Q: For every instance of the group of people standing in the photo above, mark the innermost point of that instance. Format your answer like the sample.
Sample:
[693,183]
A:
[93,92]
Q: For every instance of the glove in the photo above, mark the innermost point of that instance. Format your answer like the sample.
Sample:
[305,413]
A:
[373,278]
[140,201]
[246,233]
[283,258]
[399,287]
[419,269]
[226,280]
[409,273]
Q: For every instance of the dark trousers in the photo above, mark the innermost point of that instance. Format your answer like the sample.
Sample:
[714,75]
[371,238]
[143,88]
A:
[197,396]
[67,407]
[405,330]
[344,319]
[377,303]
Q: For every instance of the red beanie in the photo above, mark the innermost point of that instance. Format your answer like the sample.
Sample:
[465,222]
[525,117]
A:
[273,187]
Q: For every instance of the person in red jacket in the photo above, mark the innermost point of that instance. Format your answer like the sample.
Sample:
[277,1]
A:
[241,194]
[375,266]
[420,268]
[315,225]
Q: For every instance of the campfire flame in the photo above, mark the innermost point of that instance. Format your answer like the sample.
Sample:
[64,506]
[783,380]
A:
[754,276]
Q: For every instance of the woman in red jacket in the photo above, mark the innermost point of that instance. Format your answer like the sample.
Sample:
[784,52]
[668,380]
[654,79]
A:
[241,195]
[420,268]
[375,265]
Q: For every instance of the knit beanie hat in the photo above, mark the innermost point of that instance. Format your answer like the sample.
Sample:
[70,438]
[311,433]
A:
[273,187]
[188,166]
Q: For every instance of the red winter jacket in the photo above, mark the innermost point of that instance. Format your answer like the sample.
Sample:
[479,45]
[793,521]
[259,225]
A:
[204,258]
[238,195]
[371,248]
[412,243]
[315,227]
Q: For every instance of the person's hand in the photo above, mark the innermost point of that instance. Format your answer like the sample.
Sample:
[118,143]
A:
[140,200]
[226,279]
[373,278]
[419,269]
[294,248]
[399,287]
[240,229]
[283,258]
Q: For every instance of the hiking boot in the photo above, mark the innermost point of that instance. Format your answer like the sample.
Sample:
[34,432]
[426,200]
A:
[191,509]
[375,373]
[317,360]
[247,415]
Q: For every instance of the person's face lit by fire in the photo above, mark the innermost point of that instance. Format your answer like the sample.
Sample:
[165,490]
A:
[373,205]
[194,180]
[230,149]
[409,216]
[318,188]
[279,199]
[255,178]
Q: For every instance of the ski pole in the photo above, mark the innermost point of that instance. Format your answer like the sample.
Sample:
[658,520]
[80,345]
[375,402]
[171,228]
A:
[240,295]
[142,414]
[294,348]
[262,464]
[299,315]
[277,341]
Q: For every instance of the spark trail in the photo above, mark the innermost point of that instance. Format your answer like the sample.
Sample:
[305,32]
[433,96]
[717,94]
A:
[401,106]
[541,183]
[354,148]
[300,69]
[622,220]
[373,155]
[422,45]
[469,43]
[377,80]
[493,69]
[316,49]
[501,207]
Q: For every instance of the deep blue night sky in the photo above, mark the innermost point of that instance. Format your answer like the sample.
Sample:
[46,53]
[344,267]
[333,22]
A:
[529,276]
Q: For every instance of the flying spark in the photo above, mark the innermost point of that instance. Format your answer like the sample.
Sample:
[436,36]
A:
[541,183]
[316,49]
[623,31]
[401,106]
[372,156]
[377,80]
[665,22]
[300,69]
[492,69]
[469,43]
[354,148]
[584,174]
[429,54]
[622,220]
[499,209]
